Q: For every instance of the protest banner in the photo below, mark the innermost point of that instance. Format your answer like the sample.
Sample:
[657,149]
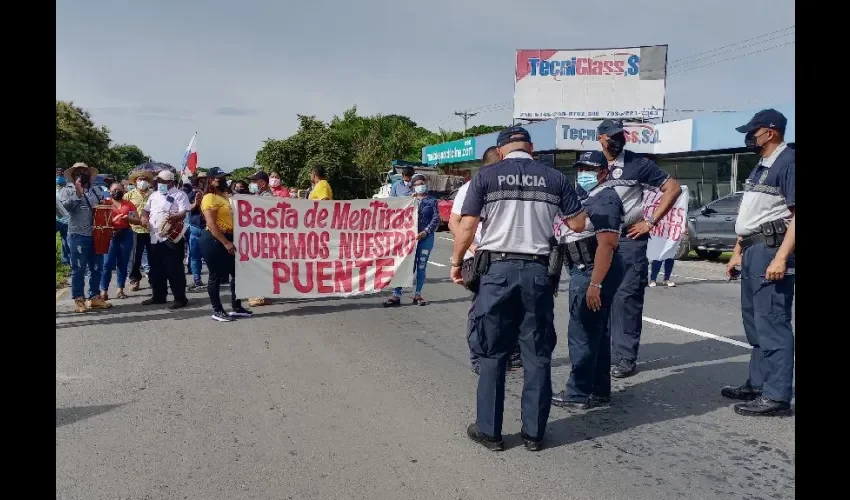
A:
[293,248]
[668,232]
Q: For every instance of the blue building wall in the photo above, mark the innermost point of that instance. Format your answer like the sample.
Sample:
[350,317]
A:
[711,132]
[716,131]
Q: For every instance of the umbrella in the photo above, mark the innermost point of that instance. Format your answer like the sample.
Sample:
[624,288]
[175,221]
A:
[155,167]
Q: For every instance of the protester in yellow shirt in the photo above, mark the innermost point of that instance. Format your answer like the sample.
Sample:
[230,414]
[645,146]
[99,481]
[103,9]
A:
[321,189]
[143,179]
[217,245]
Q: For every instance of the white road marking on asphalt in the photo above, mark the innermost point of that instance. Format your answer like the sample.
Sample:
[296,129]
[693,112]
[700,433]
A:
[444,238]
[64,378]
[690,277]
[436,263]
[696,332]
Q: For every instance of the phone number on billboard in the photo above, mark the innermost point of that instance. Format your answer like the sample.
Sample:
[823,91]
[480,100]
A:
[651,113]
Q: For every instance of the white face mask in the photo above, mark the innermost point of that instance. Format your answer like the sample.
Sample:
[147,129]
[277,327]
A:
[142,184]
[274,182]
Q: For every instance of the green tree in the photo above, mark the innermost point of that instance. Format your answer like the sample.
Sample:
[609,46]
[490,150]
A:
[78,139]
[123,158]
[355,150]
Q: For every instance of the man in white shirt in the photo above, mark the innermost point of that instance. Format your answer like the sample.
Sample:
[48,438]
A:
[491,156]
[170,204]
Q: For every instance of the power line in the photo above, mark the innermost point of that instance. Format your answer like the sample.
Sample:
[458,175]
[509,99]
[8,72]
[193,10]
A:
[732,58]
[736,49]
[732,44]
[465,115]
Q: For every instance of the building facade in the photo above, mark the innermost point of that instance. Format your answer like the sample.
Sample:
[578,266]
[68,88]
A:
[705,152]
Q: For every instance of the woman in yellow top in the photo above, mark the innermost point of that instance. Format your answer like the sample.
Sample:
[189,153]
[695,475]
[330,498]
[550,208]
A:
[217,245]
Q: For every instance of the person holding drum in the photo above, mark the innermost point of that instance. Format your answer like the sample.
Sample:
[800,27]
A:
[164,214]
[123,214]
[217,245]
[79,200]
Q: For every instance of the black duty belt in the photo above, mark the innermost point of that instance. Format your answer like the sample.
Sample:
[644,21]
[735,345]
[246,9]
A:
[581,253]
[770,233]
[543,259]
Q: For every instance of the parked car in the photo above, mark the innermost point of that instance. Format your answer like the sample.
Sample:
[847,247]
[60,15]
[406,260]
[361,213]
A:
[711,229]
[444,204]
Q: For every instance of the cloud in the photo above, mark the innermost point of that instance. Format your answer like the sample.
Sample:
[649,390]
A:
[234,111]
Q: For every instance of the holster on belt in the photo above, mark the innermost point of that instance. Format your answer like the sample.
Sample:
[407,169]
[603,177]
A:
[472,269]
[772,233]
[556,263]
[581,253]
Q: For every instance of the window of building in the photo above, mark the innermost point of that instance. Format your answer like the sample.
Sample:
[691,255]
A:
[708,178]
[564,162]
[746,163]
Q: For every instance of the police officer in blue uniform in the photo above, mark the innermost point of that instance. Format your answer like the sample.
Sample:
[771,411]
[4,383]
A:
[596,270]
[629,175]
[516,201]
[765,254]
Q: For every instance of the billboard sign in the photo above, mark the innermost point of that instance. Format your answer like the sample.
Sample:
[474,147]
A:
[590,83]
[649,138]
[449,152]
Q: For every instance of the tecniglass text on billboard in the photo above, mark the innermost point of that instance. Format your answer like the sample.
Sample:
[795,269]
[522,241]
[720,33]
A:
[597,83]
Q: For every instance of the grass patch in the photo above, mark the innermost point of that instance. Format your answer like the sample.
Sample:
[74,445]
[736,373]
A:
[62,271]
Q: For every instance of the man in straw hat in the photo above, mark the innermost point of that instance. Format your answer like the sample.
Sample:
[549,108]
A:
[143,180]
[79,199]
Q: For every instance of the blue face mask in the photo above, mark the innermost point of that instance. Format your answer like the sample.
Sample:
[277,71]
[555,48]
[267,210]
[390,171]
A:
[587,180]
[421,189]
[60,180]
[162,188]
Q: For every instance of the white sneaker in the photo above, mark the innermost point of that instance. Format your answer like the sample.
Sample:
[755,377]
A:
[652,284]
[669,283]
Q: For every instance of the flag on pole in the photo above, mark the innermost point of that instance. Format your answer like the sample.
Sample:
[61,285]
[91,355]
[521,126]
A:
[190,158]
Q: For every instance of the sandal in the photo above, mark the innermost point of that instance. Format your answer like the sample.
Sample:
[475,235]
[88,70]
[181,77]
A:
[392,302]
[122,295]
[134,286]
[104,296]
[419,301]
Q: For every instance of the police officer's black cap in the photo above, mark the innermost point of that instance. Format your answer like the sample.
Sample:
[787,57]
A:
[766,118]
[592,159]
[610,127]
[260,175]
[217,173]
[512,134]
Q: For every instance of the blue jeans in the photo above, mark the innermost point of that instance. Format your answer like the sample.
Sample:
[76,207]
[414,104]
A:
[62,229]
[627,309]
[120,249]
[655,267]
[194,242]
[423,253]
[82,258]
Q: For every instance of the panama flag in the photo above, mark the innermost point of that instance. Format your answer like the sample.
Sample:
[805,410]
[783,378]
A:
[190,158]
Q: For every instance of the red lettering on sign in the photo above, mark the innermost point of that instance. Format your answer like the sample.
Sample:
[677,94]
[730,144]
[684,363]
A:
[383,273]
[323,276]
[342,276]
[243,211]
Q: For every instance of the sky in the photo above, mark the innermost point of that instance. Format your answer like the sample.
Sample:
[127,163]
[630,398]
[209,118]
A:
[238,72]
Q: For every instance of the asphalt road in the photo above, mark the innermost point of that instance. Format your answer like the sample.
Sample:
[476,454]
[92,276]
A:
[342,399]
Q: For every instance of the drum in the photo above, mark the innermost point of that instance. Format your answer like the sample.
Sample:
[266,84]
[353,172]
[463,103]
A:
[102,229]
[171,231]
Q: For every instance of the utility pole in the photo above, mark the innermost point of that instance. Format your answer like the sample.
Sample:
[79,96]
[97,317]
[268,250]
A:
[466,116]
